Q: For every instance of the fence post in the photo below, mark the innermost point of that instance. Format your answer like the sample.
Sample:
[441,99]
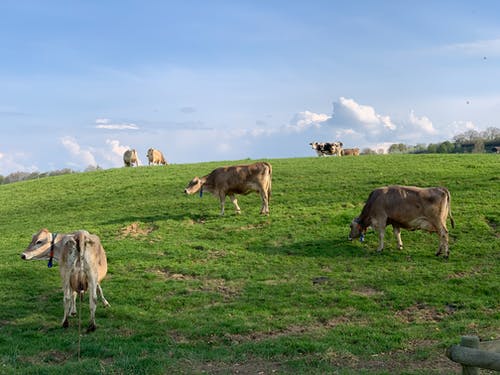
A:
[470,342]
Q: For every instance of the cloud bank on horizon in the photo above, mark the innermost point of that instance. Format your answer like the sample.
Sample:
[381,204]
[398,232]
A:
[355,124]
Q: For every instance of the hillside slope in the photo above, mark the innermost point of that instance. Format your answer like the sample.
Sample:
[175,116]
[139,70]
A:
[193,292]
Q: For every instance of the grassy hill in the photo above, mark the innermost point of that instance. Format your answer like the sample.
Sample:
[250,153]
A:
[192,292]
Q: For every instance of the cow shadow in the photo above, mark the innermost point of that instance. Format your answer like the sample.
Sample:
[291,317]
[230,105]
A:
[314,248]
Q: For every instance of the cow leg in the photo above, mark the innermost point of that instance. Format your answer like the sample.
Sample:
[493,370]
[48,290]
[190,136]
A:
[92,304]
[67,301]
[72,311]
[443,242]
[397,233]
[235,202]
[104,301]
[222,198]
[265,202]
[381,234]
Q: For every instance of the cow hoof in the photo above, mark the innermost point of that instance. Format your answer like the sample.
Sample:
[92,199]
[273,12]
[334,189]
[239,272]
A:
[65,324]
[91,328]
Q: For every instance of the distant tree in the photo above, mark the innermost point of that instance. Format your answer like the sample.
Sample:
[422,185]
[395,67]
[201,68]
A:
[432,148]
[92,168]
[420,148]
[397,148]
[445,148]
[491,134]
[478,146]
[1,179]
[368,151]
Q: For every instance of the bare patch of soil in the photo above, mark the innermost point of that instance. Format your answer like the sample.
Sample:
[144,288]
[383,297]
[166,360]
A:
[136,229]
[421,313]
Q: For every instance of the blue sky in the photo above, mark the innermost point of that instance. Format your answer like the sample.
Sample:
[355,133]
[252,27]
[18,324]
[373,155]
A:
[82,81]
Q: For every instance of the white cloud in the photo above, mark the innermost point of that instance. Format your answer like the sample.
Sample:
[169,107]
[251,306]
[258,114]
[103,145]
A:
[303,120]
[117,126]
[422,123]
[84,157]
[484,48]
[104,123]
[357,116]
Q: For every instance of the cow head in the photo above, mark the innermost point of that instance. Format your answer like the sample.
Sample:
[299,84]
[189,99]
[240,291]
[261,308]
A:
[357,230]
[314,145]
[194,185]
[40,245]
[150,153]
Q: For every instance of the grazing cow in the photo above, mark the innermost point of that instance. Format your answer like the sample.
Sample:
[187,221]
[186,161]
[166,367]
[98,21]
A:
[327,148]
[82,264]
[155,157]
[237,179]
[130,158]
[406,207]
[350,151]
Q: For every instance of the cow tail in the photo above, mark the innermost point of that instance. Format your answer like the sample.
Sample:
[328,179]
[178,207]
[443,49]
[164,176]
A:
[448,196]
[81,252]
[269,187]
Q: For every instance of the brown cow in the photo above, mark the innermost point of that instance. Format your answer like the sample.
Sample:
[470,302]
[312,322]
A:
[237,179]
[406,207]
[82,264]
[130,158]
[155,157]
[350,151]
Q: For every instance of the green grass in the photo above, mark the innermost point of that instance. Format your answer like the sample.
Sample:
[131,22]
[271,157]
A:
[192,292]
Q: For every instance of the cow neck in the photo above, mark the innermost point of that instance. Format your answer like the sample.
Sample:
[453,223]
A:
[362,224]
[52,245]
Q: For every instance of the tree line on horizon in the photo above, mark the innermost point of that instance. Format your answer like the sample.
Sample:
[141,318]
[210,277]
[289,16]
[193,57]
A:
[471,141]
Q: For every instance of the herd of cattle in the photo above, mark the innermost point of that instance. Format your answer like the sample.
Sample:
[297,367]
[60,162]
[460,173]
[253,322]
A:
[333,148]
[82,259]
[155,157]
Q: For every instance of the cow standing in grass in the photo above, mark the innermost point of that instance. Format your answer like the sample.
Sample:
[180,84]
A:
[155,157]
[406,207]
[237,179]
[130,158]
[82,264]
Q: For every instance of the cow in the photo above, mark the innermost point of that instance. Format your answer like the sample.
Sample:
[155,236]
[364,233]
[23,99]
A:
[82,265]
[155,157]
[130,158]
[237,179]
[327,148]
[407,207]
[350,151]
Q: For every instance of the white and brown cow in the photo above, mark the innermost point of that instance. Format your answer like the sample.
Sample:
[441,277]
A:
[130,158]
[82,265]
[327,148]
[155,157]
[237,179]
[407,207]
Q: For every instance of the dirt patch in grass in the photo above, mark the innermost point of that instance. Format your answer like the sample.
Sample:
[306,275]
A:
[216,285]
[493,225]
[398,361]
[421,313]
[367,292]
[394,362]
[137,229]
[52,356]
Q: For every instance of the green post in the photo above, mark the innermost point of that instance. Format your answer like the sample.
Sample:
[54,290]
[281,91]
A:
[470,342]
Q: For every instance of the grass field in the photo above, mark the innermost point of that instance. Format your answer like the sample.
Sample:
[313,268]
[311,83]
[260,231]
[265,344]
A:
[192,292]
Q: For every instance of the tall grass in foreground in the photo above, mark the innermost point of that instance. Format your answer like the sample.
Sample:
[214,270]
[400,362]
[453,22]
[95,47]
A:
[192,292]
